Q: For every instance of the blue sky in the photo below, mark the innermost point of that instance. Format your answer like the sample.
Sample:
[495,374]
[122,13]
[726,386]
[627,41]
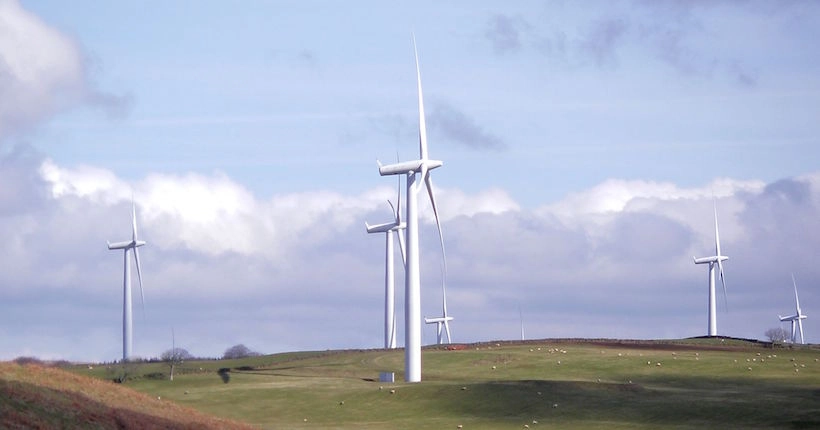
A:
[582,145]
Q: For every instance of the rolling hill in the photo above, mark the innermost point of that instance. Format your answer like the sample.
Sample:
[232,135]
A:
[555,383]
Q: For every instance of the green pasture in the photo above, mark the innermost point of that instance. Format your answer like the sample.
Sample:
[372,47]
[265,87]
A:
[558,384]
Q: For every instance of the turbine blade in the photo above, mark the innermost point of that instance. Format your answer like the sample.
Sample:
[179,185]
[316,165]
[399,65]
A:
[443,293]
[429,183]
[717,233]
[447,329]
[723,281]
[133,221]
[438,327]
[139,276]
[398,196]
[800,326]
[422,124]
[400,235]
[796,299]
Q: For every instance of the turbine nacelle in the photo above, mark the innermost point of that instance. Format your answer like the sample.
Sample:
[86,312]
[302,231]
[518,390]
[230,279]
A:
[384,227]
[437,320]
[126,245]
[409,167]
[712,259]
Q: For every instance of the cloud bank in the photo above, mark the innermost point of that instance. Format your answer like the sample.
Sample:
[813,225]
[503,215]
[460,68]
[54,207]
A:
[299,270]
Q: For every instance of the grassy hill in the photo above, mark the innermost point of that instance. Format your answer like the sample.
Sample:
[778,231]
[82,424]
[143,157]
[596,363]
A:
[696,383]
[36,397]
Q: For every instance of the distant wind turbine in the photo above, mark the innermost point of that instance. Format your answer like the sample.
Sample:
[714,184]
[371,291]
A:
[797,318]
[416,171]
[716,259]
[134,243]
[396,226]
[444,320]
[521,317]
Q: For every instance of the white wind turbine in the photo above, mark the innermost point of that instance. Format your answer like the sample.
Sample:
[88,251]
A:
[416,171]
[134,243]
[444,320]
[797,318]
[716,259]
[388,228]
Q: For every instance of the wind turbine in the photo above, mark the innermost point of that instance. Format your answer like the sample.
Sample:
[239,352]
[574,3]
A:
[797,318]
[443,320]
[416,171]
[716,259]
[388,229]
[134,243]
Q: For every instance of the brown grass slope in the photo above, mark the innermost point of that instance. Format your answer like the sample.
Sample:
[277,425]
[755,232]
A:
[36,397]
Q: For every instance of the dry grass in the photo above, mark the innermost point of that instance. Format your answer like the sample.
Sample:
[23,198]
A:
[36,397]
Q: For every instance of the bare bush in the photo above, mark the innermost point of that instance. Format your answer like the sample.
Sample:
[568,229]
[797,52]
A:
[239,351]
[776,335]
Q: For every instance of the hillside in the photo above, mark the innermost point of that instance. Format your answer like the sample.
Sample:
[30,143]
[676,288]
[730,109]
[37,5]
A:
[550,383]
[555,383]
[36,397]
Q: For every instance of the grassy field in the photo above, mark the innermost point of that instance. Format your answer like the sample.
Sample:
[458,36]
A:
[546,384]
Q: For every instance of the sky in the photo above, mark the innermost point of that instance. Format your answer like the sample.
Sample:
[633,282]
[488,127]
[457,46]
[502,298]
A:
[585,147]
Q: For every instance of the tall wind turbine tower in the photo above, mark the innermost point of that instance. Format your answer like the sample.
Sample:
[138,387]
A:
[126,246]
[797,318]
[444,320]
[416,171]
[388,228]
[716,259]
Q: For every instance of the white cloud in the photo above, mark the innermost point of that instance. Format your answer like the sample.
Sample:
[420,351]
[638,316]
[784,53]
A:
[617,195]
[214,214]
[93,183]
[40,69]
[43,71]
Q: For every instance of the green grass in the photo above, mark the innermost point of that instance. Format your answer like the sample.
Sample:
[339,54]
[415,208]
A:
[700,382]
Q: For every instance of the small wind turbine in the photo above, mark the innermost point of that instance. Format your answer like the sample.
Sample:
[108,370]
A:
[716,259]
[521,317]
[126,246]
[444,320]
[389,284]
[797,318]
[412,304]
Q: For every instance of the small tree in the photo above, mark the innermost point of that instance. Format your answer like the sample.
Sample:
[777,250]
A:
[239,351]
[174,357]
[776,335]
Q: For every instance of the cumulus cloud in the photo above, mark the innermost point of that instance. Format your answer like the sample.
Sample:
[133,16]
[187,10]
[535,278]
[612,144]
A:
[617,195]
[42,70]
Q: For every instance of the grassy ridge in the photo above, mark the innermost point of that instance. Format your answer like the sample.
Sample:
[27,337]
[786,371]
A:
[36,397]
[545,384]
